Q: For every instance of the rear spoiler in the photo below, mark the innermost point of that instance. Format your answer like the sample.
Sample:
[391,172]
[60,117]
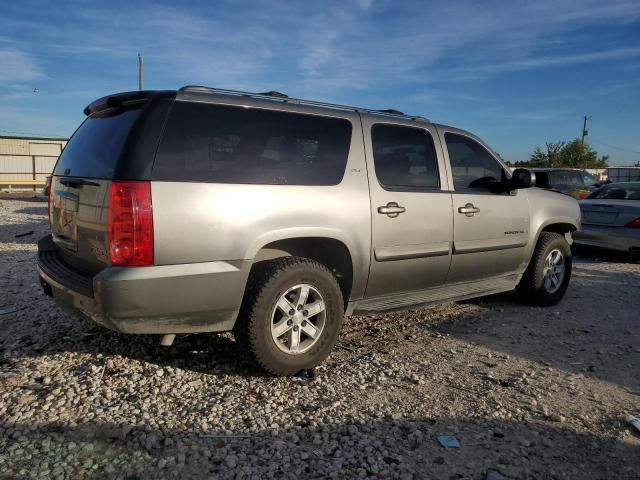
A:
[119,99]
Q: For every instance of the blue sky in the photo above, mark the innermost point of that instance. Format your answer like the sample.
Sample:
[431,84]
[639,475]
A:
[518,73]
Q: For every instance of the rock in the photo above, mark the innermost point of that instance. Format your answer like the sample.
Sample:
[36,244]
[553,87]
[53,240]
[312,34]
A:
[494,475]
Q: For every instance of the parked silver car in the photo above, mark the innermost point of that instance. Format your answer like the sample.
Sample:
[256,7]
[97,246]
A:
[611,218]
[208,210]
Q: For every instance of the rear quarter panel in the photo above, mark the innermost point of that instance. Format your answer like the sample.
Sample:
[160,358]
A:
[203,222]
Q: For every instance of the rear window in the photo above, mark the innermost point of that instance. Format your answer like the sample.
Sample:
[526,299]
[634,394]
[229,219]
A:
[223,144]
[570,178]
[94,149]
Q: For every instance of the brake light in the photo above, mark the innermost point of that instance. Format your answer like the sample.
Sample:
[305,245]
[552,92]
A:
[634,223]
[130,225]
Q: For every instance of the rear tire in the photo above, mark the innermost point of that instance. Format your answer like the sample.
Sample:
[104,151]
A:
[546,279]
[291,315]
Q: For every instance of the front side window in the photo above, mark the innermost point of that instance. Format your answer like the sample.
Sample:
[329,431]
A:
[472,165]
[225,144]
[404,157]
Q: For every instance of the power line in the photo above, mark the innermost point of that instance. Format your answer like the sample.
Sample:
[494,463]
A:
[617,148]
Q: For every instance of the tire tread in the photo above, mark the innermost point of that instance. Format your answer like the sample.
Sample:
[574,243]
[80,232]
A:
[259,285]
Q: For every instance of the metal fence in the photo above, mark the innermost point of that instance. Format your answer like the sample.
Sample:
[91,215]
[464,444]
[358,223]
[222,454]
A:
[26,167]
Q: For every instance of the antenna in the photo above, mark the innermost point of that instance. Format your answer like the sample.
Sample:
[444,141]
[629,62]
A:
[140,72]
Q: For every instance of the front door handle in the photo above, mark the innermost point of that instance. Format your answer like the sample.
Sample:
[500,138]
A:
[392,209]
[469,209]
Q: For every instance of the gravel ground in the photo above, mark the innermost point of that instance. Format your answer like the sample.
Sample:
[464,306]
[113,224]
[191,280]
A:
[529,393]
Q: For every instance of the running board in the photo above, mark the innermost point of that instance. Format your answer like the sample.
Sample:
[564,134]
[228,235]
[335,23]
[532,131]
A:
[435,295]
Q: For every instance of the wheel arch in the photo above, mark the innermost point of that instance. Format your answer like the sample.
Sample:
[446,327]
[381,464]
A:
[331,252]
[562,225]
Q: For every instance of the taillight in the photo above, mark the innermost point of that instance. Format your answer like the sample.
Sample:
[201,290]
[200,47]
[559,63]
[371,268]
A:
[634,223]
[130,224]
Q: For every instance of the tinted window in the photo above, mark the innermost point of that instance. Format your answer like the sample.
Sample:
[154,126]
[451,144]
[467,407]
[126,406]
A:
[565,180]
[223,144]
[94,150]
[404,157]
[470,161]
[630,191]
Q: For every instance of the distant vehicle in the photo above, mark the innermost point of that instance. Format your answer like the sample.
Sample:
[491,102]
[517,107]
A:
[611,218]
[204,210]
[570,181]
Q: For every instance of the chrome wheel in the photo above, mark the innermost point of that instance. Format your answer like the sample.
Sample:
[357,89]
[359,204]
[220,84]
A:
[298,319]
[554,271]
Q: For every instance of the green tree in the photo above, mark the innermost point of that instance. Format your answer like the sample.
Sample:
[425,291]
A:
[569,155]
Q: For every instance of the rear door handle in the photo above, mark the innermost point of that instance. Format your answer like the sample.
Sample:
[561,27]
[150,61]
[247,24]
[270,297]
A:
[469,209]
[392,209]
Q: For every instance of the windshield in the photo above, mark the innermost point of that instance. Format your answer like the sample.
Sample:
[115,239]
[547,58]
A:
[618,191]
[94,150]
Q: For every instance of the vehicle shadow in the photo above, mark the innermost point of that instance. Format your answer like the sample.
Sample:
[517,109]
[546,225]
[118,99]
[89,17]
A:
[587,335]
[601,254]
[53,330]
[29,229]
[382,448]
[39,210]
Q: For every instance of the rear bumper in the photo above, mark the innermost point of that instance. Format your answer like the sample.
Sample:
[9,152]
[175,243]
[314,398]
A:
[613,238]
[164,299]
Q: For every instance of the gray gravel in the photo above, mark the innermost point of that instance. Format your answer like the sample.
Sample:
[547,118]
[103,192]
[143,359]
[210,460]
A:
[529,393]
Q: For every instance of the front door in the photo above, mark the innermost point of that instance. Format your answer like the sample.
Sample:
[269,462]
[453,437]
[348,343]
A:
[412,224]
[490,232]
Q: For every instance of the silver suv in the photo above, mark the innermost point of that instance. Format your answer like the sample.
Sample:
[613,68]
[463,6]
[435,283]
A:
[207,210]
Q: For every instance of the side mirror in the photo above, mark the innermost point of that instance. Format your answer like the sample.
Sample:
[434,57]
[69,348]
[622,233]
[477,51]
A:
[522,178]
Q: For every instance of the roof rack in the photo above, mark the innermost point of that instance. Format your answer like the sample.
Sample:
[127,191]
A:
[277,96]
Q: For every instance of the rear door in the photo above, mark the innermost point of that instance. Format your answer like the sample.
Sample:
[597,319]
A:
[412,224]
[490,230]
[80,187]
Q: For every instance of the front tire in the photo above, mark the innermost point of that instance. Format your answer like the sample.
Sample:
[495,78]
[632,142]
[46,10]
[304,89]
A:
[291,315]
[546,279]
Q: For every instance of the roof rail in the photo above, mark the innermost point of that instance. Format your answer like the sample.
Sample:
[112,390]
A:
[277,96]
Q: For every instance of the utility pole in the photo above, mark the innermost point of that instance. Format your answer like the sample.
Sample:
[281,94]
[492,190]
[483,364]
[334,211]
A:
[585,132]
[141,72]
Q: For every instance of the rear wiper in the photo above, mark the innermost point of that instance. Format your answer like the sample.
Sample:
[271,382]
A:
[77,182]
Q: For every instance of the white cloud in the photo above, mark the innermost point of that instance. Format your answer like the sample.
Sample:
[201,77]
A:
[475,71]
[333,49]
[17,66]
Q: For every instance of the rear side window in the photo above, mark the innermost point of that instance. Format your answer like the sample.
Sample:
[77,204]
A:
[404,157]
[94,149]
[470,161]
[223,144]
